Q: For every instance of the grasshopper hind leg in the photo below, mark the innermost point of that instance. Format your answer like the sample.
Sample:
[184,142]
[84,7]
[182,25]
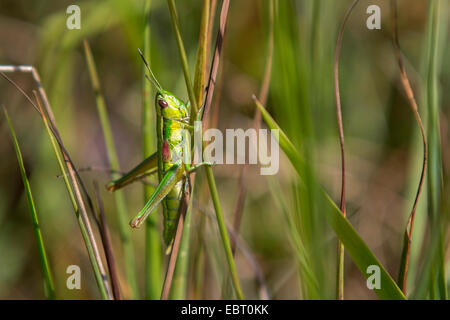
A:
[164,189]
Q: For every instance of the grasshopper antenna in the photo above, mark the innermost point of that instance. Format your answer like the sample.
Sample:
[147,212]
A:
[153,78]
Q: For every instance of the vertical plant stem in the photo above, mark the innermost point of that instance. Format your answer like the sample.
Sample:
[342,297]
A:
[181,270]
[202,53]
[199,259]
[435,174]
[153,253]
[403,273]
[208,169]
[115,169]
[223,232]
[49,288]
[340,254]
[183,57]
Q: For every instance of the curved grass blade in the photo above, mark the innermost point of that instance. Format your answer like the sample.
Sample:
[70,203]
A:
[48,281]
[355,246]
[403,273]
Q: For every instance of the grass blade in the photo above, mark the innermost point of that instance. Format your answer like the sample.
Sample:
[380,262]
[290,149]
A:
[356,247]
[183,57]
[48,281]
[153,253]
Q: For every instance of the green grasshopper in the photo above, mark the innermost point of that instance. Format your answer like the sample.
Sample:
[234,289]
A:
[170,160]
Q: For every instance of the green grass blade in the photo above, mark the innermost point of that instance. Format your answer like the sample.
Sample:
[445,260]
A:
[183,56]
[114,165]
[223,232]
[436,273]
[48,281]
[153,245]
[355,246]
[200,64]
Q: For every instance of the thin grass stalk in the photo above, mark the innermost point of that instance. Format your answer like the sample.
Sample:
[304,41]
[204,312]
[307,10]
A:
[49,288]
[119,196]
[181,270]
[212,15]
[223,232]
[200,253]
[340,250]
[202,52]
[183,57]
[208,169]
[85,227]
[107,244]
[403,272]
[153,253]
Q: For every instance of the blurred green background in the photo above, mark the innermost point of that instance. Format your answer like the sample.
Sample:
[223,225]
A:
[383,146]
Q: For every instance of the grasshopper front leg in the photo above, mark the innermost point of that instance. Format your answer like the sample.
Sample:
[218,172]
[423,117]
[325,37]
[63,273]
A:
[190,169]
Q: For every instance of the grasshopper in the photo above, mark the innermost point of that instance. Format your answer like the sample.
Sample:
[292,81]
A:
[171,161]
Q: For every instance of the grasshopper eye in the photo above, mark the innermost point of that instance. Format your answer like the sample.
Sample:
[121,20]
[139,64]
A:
[162,103]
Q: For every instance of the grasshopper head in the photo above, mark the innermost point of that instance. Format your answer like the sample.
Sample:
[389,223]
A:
[168,105]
